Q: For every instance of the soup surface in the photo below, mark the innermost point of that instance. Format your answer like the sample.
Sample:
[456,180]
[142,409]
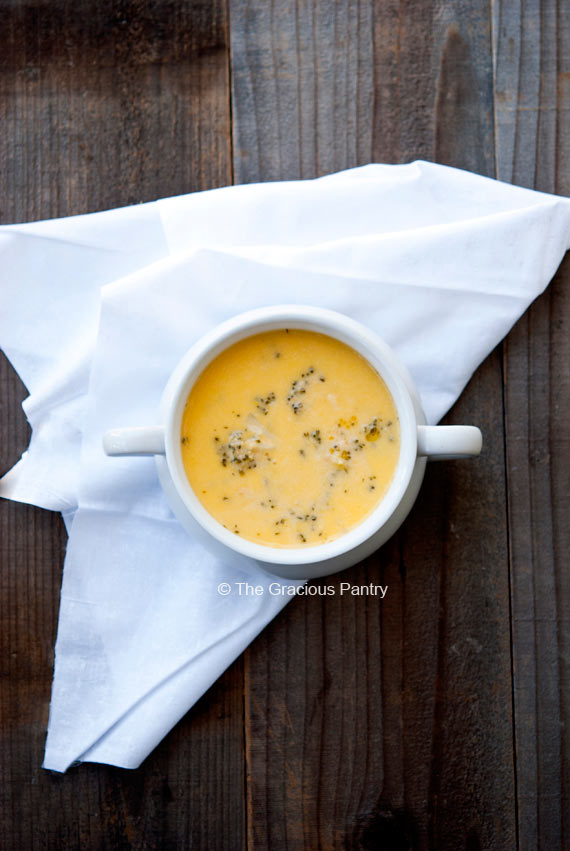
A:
[290,438]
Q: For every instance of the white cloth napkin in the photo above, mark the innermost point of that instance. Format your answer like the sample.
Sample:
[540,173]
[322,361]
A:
[96,311]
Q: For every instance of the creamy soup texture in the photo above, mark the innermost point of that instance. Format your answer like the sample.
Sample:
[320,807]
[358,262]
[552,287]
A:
[290,438]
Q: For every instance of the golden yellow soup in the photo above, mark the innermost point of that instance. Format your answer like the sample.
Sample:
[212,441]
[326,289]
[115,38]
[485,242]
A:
[290,438]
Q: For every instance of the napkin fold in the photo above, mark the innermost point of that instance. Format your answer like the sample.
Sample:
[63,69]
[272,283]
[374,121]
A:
[98,309]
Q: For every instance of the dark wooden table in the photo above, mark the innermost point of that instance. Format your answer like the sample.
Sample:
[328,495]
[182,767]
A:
[439,718]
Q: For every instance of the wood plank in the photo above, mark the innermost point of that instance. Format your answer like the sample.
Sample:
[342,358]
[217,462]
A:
[110,104]
[302,90]
[533,103]
[385,724]
[104,104]
[472,769]
[433,84]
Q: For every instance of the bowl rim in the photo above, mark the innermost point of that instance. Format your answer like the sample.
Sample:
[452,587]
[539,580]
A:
[304,317]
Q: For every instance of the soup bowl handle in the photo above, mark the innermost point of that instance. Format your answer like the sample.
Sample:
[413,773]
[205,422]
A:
[439,443]
[143,440]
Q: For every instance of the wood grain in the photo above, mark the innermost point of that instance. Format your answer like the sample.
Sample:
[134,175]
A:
[388,725]
[104,104]
[531,46]
[111,103]
[434,100]
[451,687]
[302,87]
[433,61]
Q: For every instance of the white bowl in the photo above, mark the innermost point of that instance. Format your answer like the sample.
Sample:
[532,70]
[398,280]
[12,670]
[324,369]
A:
[418,441]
